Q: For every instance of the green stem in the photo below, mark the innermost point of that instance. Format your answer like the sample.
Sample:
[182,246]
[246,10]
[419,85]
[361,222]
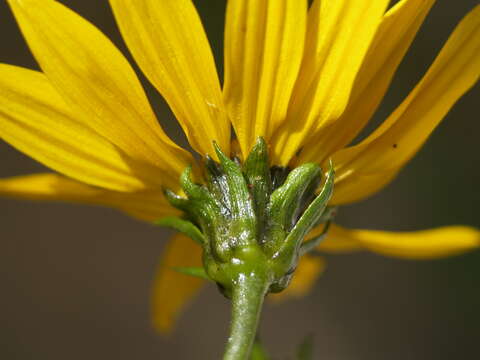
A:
[247,300]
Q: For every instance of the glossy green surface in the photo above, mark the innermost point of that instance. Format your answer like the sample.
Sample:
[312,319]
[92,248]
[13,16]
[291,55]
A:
[251,221]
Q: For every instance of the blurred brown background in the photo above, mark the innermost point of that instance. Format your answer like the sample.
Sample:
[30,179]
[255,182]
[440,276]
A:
[75,280]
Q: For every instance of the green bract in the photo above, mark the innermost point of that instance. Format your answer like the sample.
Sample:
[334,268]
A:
[251,220]
[250,217]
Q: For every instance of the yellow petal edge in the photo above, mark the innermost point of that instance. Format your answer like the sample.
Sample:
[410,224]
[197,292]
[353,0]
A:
[168,42]
[455,70]
[172,291]
[145,205]
[425,244]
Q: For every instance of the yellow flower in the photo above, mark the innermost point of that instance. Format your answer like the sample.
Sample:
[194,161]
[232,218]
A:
[306,79]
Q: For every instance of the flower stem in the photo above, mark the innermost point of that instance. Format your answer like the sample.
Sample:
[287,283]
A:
[247,300]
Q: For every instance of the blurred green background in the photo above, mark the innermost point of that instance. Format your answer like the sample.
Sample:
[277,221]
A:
[75,281]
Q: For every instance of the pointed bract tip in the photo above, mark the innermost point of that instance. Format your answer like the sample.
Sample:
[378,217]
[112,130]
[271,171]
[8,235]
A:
[331,168]
[186,176]
[260,142]
[221,155]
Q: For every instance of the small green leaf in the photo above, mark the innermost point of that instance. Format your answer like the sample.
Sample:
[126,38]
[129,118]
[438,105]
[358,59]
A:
[257,174]
[241,205]
[217,184]
[242,215]
[328,215]
[326,218]
[314,211]
[200,205]
[285,203]
[176,200]
[183,226]
[193,191]
[313,243]
[193,271]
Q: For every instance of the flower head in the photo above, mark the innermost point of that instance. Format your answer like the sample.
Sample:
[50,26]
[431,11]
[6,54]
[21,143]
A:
[306,79]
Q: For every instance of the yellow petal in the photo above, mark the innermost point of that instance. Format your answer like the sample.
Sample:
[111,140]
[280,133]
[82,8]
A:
[392,40]
[426,244]
[454,71]
[172,290]
[169,44]
[97,82]
[147,206]
[336,241]
[308,270]
[339,34]
[263,50]
[35,119]
[358,187]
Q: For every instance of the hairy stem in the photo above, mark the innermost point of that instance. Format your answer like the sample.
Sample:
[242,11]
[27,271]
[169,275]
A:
[247,300]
